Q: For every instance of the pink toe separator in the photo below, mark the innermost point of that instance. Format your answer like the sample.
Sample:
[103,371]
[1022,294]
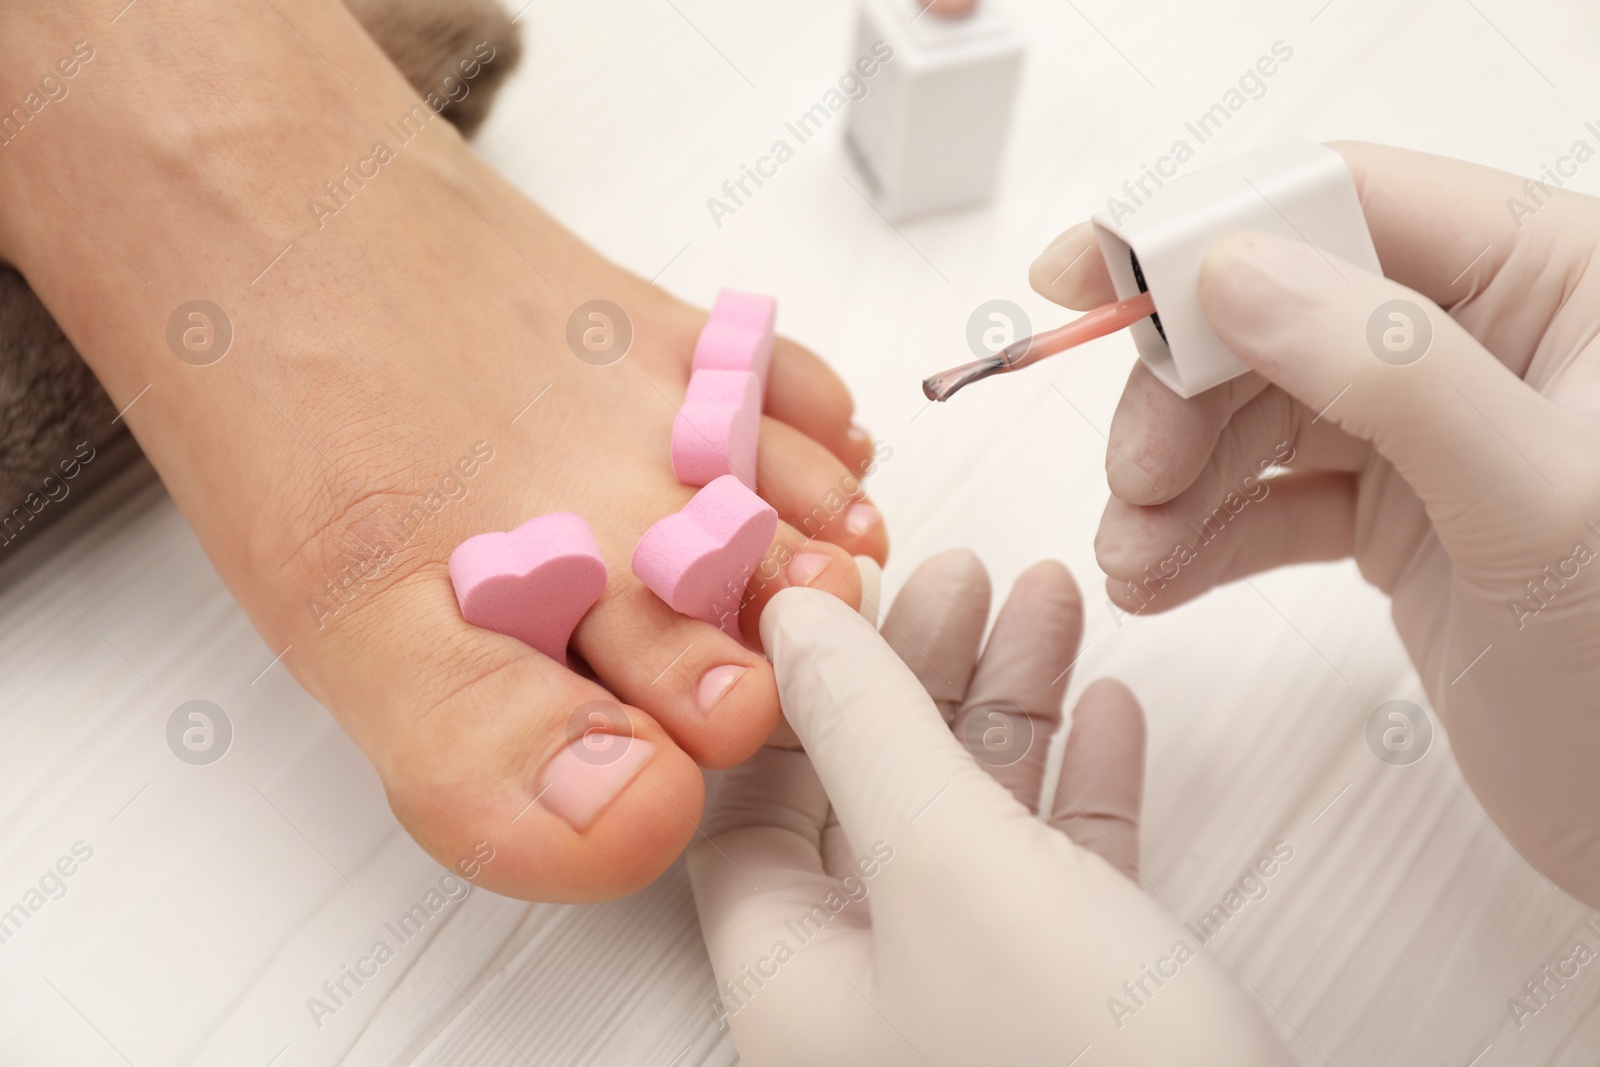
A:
[719,425]
[534,583]
[738,334]
[700,559]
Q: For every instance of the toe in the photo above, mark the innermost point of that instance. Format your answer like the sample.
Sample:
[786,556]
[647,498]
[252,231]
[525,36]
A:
[805,393]
[510,770]
[713,696]
[817,494]
[795,560]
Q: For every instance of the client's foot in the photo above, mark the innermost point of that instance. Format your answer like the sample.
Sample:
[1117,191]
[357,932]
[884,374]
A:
[399,378]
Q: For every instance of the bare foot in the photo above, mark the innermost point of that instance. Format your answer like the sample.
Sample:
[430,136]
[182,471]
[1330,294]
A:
[399,378]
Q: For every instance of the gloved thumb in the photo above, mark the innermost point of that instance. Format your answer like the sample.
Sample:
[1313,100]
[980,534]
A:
[882,750]
[1481,448]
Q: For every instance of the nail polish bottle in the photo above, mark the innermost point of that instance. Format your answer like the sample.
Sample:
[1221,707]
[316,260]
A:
[1292,189]
[928,135]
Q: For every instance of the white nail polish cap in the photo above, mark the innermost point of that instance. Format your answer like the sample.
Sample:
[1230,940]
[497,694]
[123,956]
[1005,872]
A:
[1292,189]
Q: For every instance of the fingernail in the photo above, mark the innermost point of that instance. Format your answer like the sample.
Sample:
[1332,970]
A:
[859,518]
[858,434]
[714,683]
[805,567]
[589,773]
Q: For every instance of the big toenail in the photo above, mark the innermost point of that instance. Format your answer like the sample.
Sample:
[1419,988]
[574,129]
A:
[805,567]
[714,683]
[588,774]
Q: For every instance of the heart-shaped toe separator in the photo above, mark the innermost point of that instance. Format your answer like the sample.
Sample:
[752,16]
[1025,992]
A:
[717,428]
[700,559]
[534,583]
[738,335]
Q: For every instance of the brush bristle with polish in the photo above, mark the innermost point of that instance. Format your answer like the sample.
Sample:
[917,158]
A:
[942,387]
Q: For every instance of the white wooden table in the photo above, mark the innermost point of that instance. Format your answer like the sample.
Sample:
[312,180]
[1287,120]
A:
[218,899]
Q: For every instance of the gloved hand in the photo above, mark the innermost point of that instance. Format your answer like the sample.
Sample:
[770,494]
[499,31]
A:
[937,920]
[1455,454]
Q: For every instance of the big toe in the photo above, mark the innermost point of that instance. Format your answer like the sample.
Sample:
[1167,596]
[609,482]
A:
[509,769]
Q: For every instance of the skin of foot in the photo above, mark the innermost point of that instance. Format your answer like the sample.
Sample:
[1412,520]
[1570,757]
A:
[396,376]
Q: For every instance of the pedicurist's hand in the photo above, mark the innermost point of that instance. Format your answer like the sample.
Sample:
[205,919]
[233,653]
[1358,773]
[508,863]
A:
[937,919]
[1439,427]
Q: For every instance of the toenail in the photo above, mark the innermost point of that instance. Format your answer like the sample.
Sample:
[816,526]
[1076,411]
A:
[805,567]
[715,682]
[586,776]
[860,518]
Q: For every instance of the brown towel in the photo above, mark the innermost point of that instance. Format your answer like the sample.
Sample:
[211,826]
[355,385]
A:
[56,433]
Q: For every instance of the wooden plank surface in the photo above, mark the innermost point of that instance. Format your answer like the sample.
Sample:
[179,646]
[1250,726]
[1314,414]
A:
[219,899]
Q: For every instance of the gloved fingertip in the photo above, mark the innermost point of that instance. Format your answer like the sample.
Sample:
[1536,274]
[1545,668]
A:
[1257,272]
[795,612]
[1071,271]
[1256,290]
[955,568]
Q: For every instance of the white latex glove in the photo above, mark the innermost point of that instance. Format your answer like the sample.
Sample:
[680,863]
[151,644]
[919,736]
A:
[1466,482]
[938,920]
